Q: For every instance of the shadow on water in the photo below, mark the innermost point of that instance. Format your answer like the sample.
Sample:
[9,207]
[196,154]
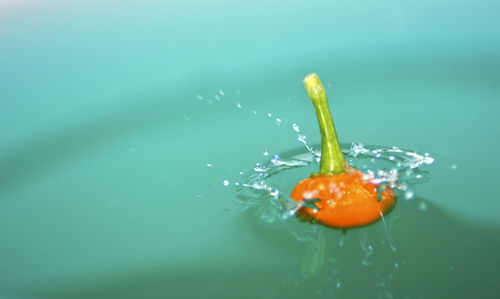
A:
[437,256]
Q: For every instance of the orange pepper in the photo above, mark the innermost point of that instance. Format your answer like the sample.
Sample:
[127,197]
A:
[338,196]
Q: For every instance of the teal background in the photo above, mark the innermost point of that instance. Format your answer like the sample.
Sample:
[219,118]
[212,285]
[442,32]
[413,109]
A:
[104,188]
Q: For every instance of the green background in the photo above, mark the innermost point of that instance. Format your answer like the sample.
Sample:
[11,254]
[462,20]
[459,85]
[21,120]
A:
[104,186]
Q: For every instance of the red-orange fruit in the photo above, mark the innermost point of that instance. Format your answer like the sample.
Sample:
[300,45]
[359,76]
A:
[344,200]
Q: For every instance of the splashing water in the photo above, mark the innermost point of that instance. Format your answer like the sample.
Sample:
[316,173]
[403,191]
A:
[266,189]
[272,181]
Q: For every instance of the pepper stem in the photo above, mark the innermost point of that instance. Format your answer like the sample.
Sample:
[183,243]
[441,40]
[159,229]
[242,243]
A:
[332,159]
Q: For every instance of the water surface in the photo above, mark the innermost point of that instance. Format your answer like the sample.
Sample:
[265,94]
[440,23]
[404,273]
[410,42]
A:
[104,184]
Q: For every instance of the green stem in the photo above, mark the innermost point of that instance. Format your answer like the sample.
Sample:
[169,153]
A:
[332,159]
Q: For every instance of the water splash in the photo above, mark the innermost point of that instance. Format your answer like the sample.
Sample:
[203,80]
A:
[302,138]
[265,189]
[272,203]
[269,184]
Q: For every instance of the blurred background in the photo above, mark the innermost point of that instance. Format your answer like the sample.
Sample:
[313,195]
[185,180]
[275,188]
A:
[119,121]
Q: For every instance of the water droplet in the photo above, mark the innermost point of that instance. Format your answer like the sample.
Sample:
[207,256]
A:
[254,112]
[454,166]
[259,185]
[273,192]
[309,195]
[259,167]
[422,206]
[199,97]
[225,183]
[278,121]
[403,187]
[408,194]
[417,160]
[217,97]
[238,104]
[276,160]
[368,250]
[269,115]
[302,138]
[396,265]
[221,92]
[338,284]
[209,165]
[357,148]
[265,153]
[296,127]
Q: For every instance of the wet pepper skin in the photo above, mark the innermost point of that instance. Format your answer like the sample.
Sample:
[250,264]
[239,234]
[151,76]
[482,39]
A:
[345,199]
